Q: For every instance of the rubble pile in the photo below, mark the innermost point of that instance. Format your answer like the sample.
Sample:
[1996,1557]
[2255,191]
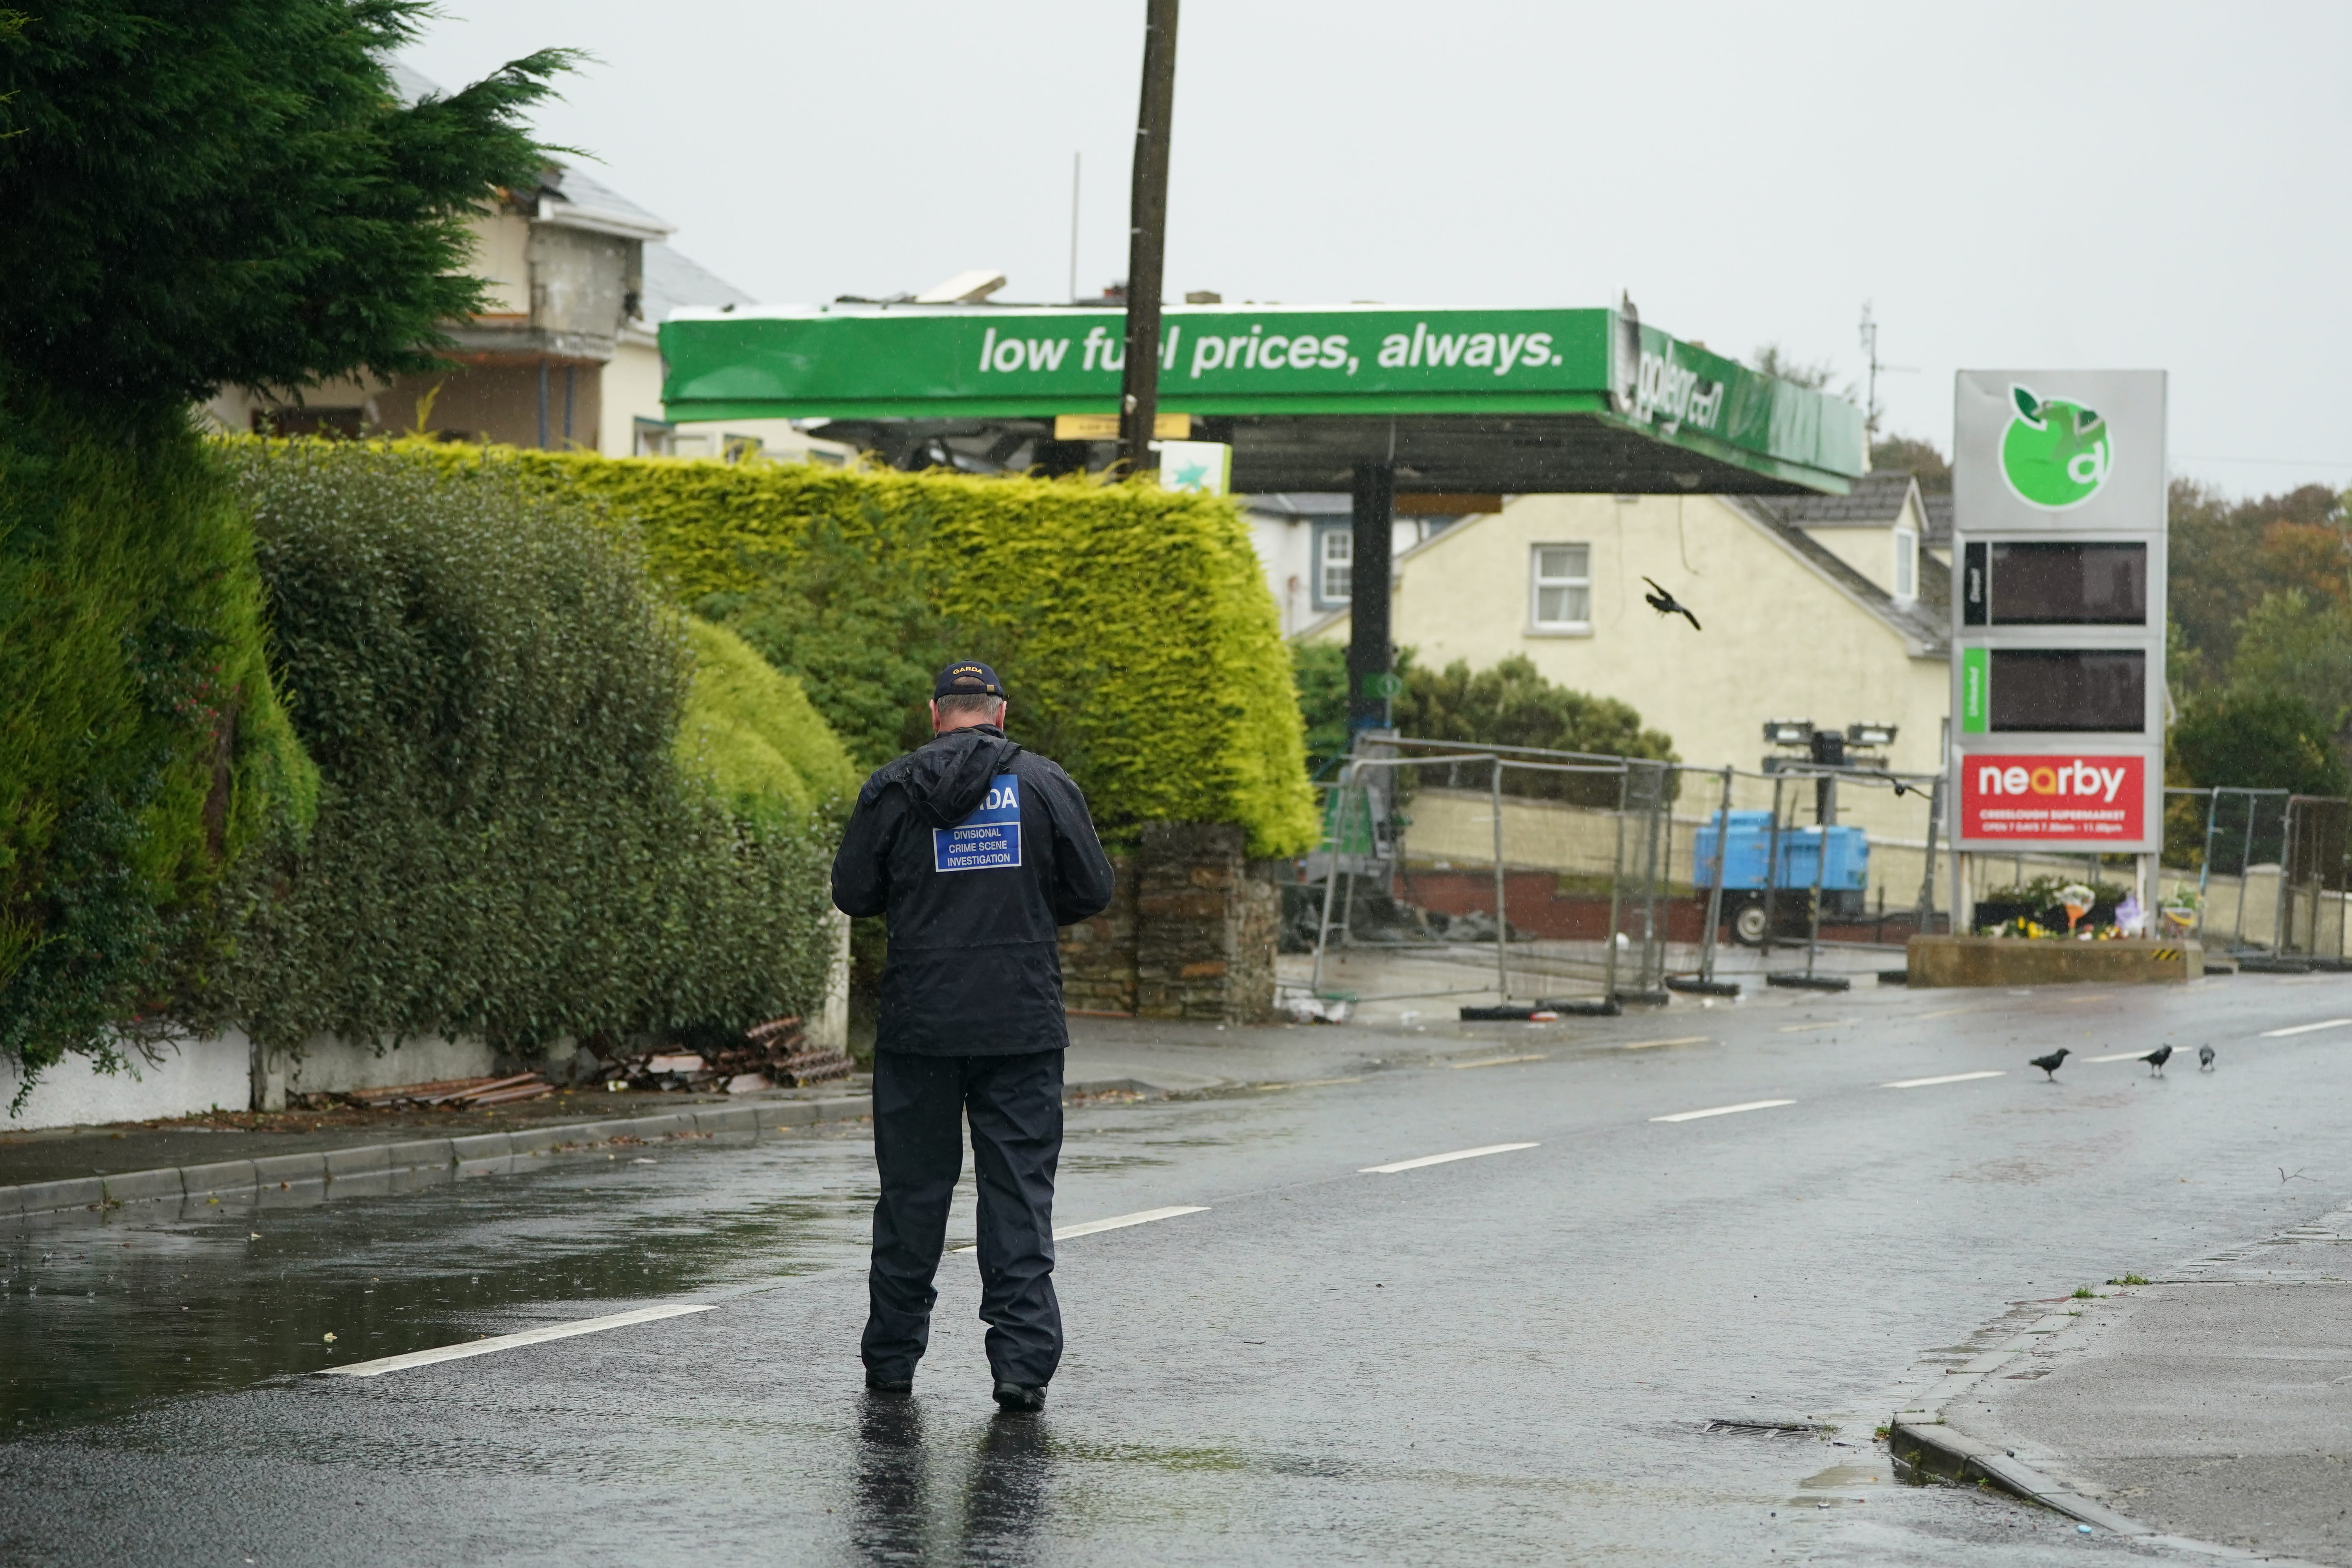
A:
[457,1093]
[773,1055]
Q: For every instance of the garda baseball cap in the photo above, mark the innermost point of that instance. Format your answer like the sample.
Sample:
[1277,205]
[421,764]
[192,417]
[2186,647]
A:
[968,678]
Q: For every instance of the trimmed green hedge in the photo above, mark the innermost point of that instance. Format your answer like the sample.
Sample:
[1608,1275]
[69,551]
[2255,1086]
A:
[1131,625]
[551,809]
[750,729]
[142,751]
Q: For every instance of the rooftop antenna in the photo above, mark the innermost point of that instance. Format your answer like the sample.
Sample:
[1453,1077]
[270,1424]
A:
[1870,346]
[1075,162]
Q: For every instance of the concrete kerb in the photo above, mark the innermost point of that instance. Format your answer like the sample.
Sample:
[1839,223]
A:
[1926,1448]
[371,1169]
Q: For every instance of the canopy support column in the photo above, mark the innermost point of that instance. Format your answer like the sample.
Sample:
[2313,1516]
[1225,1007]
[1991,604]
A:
[1370,656]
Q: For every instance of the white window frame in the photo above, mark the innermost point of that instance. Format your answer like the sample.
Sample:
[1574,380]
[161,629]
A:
[1907,565]
[1324,596]
[1537,582]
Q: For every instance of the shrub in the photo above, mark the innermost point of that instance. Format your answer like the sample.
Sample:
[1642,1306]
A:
[1131,625]
[538,819]
[1509,704]
[142,749]
[2255,740]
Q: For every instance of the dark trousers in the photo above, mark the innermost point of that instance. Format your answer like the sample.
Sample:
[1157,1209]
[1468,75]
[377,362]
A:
[1014,1106]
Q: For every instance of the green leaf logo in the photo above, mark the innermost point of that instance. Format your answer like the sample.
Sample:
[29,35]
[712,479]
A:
[2055,454]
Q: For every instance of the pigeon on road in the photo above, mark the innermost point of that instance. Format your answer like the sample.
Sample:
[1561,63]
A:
[1665,604]
[2155,1060]
[2049,1064]
[2204,1059]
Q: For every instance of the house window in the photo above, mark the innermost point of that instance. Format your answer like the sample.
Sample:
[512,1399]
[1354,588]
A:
[1906,564]
[1334,566]
[1563,588]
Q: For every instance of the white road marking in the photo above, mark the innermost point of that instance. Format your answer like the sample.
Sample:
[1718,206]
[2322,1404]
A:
[1391,1169]
[510,1342]
[1496,1062]
[1116,1222]
[1120,1222]
[2119,1056]
[2305,1028]
[1947,1013]
[1800,1028]
[1685,1040]
[1948,1078]
[1723,1110]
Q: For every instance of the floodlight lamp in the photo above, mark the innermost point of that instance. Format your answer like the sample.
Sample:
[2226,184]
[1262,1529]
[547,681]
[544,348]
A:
[1789,732]
[1869,734]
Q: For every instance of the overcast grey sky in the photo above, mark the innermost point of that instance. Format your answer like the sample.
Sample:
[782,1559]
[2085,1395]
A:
[2011,186]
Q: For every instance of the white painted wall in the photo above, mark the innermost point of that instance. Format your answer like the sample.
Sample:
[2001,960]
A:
[194,1075]
[326,1064]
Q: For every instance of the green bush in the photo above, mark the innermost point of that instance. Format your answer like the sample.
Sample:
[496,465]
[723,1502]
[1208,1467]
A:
[142,749]
[2255,740]
[1131,625]
[538,819]
[1509,704]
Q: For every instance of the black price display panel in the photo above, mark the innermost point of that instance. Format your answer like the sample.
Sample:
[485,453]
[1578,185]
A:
[2054,585]
[2069,688]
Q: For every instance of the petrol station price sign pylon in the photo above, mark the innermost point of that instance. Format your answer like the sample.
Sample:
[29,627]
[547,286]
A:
[2058,617]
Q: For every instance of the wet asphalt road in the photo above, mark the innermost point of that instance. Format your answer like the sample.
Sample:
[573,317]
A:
[1530,1356]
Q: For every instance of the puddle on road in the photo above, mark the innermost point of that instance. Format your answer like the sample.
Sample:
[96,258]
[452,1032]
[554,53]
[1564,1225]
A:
[100,1317]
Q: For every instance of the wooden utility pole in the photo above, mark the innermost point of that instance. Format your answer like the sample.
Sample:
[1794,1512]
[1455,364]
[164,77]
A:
[1147,239]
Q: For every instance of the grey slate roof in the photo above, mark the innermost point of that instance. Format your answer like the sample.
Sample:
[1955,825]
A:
[673,279]
[1939,518]
[1875,501]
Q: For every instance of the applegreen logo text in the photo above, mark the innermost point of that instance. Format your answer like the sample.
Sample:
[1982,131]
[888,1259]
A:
[2055,454]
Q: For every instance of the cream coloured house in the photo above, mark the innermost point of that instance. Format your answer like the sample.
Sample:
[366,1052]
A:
[1824,608]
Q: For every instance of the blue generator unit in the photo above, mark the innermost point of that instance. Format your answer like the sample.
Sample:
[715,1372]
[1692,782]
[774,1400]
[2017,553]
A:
[1749,868]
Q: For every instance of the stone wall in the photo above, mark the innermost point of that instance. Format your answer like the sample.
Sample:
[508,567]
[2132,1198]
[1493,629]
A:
[1190,933]
[1098,955]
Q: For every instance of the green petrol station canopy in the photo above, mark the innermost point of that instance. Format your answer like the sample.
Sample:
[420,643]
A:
[1455,400]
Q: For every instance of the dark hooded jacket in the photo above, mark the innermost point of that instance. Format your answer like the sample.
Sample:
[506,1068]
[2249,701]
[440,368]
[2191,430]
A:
[976,850]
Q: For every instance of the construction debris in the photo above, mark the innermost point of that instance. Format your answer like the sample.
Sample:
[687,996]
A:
[773,1055]
[459,1093]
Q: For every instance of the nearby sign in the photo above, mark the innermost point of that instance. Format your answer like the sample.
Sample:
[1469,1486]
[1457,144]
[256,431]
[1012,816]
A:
[2058,491]
[2074,796]
[1043,362]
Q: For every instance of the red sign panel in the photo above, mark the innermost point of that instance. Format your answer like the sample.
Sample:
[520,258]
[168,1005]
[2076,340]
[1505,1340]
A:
[2058,796]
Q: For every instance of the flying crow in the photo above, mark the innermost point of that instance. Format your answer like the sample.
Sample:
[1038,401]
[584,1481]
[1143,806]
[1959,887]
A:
[2204,1059]
[2049,1064]
[1665,604]
[2155,1060]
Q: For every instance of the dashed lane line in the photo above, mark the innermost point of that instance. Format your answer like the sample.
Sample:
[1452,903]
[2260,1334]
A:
[1801,1028]
[1394,1167]
[2119,1056]
[2305,1028]
[1948,1078]
[1723,1110]
[377,1368]
[1496,1062]
[1120,1222]
[1685,1040]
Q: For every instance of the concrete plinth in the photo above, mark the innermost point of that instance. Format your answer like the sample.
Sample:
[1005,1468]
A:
[2017,960]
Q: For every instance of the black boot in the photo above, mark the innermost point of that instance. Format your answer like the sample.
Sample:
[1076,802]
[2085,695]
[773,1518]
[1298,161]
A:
[1017,1399]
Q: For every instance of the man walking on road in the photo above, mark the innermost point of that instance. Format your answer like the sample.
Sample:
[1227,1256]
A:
[976,850]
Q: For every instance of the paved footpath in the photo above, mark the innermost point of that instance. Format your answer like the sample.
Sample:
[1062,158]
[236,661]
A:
[1624,1290]
[2213,1401]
